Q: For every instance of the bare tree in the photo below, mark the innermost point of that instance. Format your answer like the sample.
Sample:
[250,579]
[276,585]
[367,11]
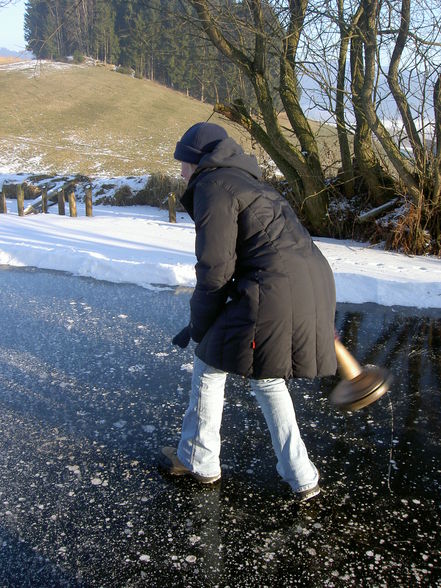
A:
[413,69]
[385,102]
[248,40]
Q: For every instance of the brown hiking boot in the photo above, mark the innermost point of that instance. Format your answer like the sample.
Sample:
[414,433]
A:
[169,462]
[306,495]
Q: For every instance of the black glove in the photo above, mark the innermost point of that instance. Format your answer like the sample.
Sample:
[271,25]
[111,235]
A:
[182,338]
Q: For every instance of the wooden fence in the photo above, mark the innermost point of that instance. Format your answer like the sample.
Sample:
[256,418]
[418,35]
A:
[41,203]
[60,197]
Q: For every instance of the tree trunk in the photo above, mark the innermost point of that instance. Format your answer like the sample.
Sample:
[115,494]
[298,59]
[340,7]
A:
[369,33]
[365,160]
[398,94]
[306,164]
[367,165]
[437,154]
[342,133]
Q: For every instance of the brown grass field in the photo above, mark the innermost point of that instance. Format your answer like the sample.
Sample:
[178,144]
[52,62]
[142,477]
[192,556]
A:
[61,119]
[4,60]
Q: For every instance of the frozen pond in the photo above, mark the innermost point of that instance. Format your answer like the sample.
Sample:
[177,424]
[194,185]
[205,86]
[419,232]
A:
[91,387]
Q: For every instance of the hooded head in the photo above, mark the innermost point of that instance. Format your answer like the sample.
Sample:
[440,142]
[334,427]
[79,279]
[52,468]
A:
[199,140]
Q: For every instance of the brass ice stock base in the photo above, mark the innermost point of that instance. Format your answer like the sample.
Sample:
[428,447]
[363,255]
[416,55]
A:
[360,386]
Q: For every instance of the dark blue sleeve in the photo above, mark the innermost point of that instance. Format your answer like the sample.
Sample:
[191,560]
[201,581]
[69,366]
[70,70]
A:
[215,215]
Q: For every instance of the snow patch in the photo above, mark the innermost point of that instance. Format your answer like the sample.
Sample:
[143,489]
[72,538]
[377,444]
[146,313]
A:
[138,245]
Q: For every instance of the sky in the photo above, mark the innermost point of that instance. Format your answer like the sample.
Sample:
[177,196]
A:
[11,26]
[138,245]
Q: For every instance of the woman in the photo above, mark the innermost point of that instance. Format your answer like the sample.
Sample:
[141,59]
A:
[263,306]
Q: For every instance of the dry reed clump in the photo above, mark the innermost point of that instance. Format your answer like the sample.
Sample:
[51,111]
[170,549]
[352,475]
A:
[417,231]
[30,191]
[157,189]
[155,193]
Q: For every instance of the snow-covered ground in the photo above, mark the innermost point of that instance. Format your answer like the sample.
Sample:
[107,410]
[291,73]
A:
[138,245]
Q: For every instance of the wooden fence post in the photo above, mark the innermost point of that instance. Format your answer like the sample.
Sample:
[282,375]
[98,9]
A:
[44,200]
[88,201]
[172,207]
[61,204]
[72,202]
[20,200]
[3,207]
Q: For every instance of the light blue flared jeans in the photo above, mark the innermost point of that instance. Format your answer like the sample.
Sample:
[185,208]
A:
[199,447]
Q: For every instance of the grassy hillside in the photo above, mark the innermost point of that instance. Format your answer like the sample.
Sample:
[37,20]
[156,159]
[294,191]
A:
[69,119]
[60,118]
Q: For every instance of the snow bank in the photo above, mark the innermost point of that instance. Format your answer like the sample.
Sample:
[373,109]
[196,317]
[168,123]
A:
[138,245]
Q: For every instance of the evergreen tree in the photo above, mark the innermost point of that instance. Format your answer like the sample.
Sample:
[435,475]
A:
[40,29]
[155,38]
[105,41]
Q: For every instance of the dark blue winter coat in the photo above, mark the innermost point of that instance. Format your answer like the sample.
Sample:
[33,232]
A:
[264,301]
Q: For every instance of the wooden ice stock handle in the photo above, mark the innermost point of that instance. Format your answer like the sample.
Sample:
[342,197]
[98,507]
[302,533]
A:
[348,366]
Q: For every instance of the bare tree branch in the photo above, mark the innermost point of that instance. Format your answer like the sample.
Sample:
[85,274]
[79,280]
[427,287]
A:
[412,35]
[4,3]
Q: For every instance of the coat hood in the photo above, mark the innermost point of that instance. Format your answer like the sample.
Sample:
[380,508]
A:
[226,154]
